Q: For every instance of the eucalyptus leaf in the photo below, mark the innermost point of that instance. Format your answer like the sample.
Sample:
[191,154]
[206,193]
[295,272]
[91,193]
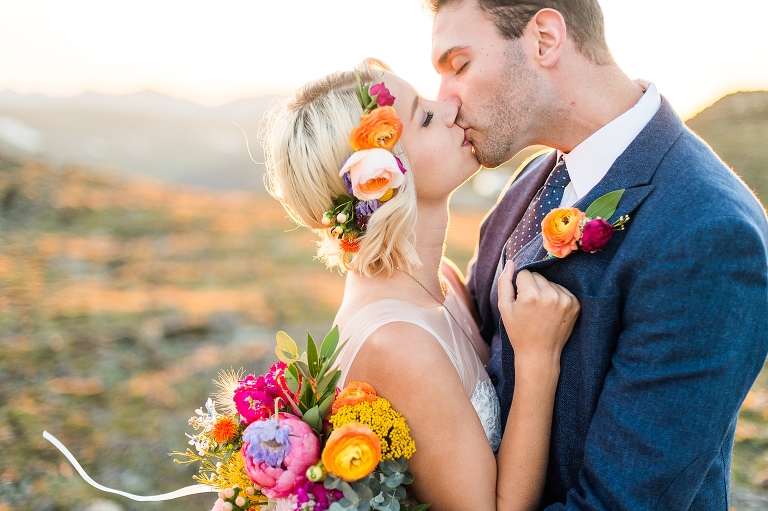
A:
[331,482]
[312,417]
[392,465]
[314,367]
[286,349]
[329,343]
[399,493]
[349,493]
[327,382]
[407,478]
[363,491]
[403,462]
[378,499]
[394,480]
[605,206]
[325,405]
[329,362]
[307,397]
[303,369]
[364,505]
[291,382]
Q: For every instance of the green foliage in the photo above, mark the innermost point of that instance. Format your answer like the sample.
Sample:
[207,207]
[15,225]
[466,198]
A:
[605,206]
[382,490]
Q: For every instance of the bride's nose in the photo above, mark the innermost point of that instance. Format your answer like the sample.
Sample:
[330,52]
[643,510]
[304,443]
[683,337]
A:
[449,114]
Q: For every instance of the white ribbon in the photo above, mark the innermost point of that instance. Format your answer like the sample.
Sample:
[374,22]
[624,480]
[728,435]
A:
[183,492]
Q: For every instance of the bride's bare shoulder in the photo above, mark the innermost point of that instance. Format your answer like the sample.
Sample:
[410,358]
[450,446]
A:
[401,348]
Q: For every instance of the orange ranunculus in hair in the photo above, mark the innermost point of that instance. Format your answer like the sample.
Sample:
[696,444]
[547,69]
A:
[380,128]
[355,392]
[352,451]
[561,230]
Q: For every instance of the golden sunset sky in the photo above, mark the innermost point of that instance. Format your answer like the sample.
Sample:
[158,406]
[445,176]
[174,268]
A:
[215,52]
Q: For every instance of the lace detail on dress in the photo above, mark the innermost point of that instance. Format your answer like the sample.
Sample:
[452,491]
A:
[486,404]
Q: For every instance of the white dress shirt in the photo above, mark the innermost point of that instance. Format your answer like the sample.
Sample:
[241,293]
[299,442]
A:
[589,161]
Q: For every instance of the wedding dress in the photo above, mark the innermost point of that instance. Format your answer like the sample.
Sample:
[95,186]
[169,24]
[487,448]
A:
[438,322]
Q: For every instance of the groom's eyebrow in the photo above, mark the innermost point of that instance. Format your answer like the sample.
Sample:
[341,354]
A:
[443,60]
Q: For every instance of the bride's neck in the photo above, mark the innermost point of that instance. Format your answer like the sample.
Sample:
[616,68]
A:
[430,232]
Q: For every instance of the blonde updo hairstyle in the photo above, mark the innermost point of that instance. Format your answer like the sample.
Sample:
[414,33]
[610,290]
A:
[306,142]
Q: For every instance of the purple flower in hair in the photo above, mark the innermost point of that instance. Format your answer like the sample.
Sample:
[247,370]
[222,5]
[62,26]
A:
[367,207]
[383,96]
[348,182]
[400,164]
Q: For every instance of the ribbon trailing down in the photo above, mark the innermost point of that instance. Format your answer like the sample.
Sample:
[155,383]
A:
[183,492]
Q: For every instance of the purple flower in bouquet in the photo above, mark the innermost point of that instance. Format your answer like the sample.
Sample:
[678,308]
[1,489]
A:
[596,234]
[317,493]
[277,455]
[255,397]
[384,98]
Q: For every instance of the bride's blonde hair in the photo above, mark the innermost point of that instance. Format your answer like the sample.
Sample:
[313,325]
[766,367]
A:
[306,142]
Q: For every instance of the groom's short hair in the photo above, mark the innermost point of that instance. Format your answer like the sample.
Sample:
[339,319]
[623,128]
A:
[584,20]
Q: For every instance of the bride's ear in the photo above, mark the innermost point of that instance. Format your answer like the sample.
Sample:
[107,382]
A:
[548,29]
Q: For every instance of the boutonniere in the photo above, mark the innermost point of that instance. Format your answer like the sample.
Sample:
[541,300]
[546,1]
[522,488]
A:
[567,229]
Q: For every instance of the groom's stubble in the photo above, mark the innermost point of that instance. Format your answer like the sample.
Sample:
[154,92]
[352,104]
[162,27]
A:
[501,125]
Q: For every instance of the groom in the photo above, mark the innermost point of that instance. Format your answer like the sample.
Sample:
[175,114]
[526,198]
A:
[674,322]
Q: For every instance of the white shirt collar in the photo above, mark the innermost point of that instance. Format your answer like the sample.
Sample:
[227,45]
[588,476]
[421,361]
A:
[588,162]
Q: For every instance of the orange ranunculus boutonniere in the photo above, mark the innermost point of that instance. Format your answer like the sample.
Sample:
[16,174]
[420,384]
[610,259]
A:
[567,229]
[381,128]
[561,231]
[355,392]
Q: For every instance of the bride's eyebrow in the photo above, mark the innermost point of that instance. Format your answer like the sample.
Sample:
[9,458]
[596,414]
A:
[414,106]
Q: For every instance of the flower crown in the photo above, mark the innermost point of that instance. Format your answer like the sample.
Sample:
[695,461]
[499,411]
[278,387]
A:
[372,173]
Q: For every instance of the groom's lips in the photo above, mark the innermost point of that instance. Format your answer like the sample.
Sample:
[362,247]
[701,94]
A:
[466,142]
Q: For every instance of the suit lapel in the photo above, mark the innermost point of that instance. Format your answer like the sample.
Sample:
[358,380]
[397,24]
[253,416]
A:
[632,171]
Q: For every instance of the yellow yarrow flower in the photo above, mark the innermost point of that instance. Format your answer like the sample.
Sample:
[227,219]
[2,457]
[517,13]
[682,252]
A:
[386,423]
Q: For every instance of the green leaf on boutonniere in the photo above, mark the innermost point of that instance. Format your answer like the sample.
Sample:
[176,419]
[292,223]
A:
[605,206]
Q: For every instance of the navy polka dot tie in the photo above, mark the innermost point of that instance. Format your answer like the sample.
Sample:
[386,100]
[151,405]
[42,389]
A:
[547,198]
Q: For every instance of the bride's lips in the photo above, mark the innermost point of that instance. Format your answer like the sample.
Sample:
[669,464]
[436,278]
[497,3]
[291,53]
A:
[466,142]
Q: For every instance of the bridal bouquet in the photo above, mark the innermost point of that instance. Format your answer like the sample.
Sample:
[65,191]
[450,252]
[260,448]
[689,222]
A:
[289,440]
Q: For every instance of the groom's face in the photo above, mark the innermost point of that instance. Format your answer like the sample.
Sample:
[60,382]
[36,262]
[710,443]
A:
[488,77]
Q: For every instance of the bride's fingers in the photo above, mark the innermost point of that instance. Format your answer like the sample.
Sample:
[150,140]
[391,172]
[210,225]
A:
[506,288]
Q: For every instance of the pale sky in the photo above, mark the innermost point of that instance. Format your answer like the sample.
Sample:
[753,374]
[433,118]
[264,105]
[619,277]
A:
[215,52]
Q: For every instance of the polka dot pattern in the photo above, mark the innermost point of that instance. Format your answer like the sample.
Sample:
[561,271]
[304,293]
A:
[547,198]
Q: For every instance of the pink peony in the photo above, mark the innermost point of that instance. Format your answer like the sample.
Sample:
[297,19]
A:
[595,235]
[255,397]
[278,454]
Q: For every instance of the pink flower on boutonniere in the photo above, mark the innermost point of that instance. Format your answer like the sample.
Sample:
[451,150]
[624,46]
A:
[595,235]
[383,96]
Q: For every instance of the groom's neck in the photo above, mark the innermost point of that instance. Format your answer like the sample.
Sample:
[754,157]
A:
[590,96]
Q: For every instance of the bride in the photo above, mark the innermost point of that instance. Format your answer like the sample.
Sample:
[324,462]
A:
[406,315]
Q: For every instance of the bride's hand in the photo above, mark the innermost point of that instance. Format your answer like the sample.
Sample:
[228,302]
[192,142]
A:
[539,319]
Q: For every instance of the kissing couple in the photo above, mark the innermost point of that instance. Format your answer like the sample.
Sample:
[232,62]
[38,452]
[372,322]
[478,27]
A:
[615,313]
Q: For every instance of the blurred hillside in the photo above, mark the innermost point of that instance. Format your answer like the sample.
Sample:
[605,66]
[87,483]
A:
[144,133]
[737,129]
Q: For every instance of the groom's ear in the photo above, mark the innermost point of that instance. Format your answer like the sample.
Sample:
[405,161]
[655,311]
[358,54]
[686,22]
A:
[549,33]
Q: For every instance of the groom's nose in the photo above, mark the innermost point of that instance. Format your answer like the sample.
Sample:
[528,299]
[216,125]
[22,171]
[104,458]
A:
[446,94]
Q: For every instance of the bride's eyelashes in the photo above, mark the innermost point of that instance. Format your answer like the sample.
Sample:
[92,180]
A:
[428,119]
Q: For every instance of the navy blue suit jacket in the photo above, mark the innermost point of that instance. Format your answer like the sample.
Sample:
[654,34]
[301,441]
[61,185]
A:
[673,328]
